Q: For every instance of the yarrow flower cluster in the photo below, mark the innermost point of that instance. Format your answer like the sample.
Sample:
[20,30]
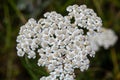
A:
[104,39]
[63,42]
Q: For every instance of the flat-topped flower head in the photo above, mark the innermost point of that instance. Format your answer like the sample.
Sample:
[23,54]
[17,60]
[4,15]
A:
[84,17]
[27,40]
[62,42]
[104,39]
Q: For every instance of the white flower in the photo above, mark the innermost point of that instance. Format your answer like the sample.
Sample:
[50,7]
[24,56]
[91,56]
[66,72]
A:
[104,39]
[20,52]
[107,38]
[63,42]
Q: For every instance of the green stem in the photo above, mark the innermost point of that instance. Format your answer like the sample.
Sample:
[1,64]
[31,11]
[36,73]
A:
[8,26]
[33,69]
[20,15]
[27,65]
[8,42]
[98,6]
[115,63]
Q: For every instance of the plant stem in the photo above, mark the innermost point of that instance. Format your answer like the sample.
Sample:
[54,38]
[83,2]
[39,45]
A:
[115,63]
[8,43]
[98,6]
[20,15]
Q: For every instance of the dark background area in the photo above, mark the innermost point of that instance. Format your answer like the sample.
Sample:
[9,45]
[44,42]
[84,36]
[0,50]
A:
[15,13]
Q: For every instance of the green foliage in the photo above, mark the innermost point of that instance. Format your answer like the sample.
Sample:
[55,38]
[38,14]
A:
[14,13]
[33,69]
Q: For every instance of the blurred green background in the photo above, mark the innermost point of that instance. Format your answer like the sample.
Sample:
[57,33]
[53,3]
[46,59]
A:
[15,13]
